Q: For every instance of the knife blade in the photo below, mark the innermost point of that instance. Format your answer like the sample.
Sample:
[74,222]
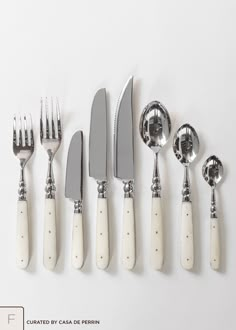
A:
[124,170]
[98,137]
[74,191]
[124,149]
[98,170]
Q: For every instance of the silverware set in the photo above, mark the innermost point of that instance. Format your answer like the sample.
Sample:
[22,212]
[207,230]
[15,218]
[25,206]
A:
[155,131]
[155,128]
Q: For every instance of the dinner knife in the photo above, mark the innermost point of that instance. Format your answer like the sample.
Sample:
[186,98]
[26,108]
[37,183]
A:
[74,191]
[98,170]
[124,170]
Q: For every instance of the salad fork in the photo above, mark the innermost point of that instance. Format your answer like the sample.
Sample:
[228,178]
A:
[50,136]
[23,148]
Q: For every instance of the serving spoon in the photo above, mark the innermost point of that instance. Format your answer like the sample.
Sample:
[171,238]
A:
[212,172]
[186,148]
[155,128]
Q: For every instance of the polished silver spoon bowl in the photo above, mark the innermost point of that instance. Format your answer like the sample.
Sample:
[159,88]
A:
[212,172]
[186,144]
[155,126]
[186,148]
[155,129]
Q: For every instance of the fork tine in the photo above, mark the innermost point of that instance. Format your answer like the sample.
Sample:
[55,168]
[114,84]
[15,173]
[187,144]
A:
[47,119]
[14,131]
[58,119]
[20,132]
[31,133]
[41,120]
[26,131]
[53,125]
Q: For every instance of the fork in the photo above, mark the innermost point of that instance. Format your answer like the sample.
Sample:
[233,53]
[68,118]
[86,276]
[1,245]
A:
[23,148]
[50,136]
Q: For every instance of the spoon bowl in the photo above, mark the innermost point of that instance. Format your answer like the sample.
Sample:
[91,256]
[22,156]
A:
[212,170]
[186,144]
[155,126]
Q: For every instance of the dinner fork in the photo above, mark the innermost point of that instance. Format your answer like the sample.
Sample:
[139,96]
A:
[23,148]
[50,136]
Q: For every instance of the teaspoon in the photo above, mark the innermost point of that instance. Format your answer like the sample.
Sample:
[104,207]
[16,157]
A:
[212,172]
[155,128]
[186,147]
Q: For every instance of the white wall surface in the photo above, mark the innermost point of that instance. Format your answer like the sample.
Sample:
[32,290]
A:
[182,53]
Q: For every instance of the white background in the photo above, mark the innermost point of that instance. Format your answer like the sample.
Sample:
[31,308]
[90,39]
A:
[182,53]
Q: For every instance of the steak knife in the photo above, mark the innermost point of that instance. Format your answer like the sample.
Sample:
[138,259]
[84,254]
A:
[124,170]
[98,170]
[74,191]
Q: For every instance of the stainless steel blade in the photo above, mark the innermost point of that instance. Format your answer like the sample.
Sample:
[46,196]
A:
[98,137]
[74,169]
[124,149]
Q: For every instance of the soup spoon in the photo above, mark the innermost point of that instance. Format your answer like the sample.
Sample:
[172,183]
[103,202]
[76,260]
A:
[212,172]
[186,148]
[155,128]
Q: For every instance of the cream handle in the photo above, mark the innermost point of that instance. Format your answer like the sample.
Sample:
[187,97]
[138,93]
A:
[102,234]
[187,247]
[22,235]
[50,244]
[214,244]
[128,240]
[77,258]
[157,248]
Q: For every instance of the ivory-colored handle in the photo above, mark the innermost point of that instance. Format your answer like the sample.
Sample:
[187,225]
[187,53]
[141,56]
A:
[77,258]
[22,235]
[50,244]
[187,249]
[157,248]
[128,240]
[102,234]
[215,244]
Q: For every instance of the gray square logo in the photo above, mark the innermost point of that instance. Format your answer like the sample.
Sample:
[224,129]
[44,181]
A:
[11,318]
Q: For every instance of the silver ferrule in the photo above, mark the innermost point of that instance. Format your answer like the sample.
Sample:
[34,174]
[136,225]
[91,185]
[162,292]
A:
[102,189]
[156,184]
[213,203]
[128,189]
[77,206]
[50,182]
[22,186]
[186,192]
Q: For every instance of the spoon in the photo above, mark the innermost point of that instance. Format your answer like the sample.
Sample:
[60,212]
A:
[186,147]
[212,172]
[155,128]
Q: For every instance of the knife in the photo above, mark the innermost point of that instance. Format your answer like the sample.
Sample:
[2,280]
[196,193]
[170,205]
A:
[74,191]
[124,170]
[98,170]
